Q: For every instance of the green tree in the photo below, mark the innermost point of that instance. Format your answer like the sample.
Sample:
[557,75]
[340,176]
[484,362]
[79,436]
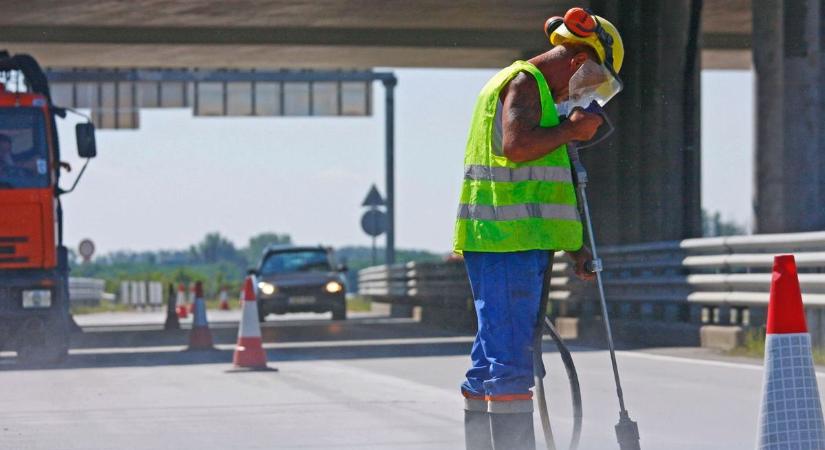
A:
[259,242]
[214,248]
[713,225]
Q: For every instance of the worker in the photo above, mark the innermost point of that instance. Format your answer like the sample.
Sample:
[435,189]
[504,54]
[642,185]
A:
[518,206]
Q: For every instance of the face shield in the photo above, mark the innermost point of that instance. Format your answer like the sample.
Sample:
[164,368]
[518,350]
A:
[592,82]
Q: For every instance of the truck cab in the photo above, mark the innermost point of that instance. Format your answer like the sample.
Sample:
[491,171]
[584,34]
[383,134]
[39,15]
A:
[34,300]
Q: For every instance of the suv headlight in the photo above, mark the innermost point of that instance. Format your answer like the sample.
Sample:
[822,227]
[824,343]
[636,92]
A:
[267,288]
[334,287]
[39,298]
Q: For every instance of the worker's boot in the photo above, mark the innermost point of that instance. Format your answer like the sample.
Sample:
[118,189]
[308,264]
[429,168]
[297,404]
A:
[477,435]
[513,431]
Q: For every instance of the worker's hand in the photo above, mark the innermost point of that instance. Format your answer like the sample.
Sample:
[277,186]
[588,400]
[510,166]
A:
[580,259]
[583,125]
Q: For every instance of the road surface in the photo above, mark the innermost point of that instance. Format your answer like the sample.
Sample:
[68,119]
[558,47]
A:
[369,383]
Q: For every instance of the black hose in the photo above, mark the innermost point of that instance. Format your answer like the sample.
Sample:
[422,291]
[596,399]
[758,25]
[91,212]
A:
[544,323]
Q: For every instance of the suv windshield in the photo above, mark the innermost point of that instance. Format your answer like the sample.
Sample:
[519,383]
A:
[23,155]
[296,261]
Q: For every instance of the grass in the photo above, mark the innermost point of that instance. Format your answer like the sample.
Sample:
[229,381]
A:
[104,306]
[753,346]
[358,304]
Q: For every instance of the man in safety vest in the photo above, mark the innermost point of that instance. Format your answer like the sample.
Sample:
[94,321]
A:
[518,206]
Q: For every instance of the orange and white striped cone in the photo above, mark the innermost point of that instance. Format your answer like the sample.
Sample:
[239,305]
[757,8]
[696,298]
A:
[249,353]
[180,302]
[200,338]
[193,296]
[791,414]
[224,300]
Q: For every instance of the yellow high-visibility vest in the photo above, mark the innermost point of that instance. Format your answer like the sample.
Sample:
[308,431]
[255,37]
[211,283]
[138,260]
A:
[507,206]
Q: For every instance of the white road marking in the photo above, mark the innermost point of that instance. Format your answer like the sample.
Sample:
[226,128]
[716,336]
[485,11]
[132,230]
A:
[697,361]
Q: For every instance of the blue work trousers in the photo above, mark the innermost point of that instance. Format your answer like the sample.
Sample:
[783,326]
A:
[507,293]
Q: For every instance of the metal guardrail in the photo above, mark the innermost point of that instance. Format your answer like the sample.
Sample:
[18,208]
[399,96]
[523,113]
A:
[86,291]
[724,281]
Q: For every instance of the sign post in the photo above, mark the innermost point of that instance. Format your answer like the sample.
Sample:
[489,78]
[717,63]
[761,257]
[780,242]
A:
[374,220]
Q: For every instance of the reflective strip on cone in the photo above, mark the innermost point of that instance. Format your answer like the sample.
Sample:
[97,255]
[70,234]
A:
[791,413]
[250,327]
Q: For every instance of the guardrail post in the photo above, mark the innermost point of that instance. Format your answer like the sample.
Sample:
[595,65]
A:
[722,315]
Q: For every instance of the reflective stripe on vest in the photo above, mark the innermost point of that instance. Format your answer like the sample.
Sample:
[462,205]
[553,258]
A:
[507,174]
[515,212]
[507,206]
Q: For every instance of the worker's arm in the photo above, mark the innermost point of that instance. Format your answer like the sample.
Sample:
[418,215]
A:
[522,138]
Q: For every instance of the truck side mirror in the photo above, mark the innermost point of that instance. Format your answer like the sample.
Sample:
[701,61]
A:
[86,146]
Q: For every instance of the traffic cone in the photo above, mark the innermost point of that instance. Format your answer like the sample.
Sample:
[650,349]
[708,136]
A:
[249,353]
[224,299]
[200,338]
[791,414]
[193,296]
[172,322]
[180,301]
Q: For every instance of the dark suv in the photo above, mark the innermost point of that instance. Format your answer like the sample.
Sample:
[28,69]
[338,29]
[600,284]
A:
[298,279]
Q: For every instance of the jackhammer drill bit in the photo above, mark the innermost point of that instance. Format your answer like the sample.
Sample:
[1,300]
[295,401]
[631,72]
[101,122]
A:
[627,431]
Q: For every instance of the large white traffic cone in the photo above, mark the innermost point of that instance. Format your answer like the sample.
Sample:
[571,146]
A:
[249,353]
[791,414]
[200,338]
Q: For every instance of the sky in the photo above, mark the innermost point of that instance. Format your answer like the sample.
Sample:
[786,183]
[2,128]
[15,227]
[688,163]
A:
[179,177]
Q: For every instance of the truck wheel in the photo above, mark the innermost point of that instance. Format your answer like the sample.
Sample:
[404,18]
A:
[50,352]
[43,354]
[339,311]
[43,344]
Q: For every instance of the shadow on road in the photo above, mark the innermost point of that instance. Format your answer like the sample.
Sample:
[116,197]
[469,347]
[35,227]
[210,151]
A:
[357,339]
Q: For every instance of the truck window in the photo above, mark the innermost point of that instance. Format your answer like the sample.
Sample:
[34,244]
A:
[23,149]
[296,261]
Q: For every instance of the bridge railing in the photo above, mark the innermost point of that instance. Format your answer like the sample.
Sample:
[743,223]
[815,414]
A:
[676,292]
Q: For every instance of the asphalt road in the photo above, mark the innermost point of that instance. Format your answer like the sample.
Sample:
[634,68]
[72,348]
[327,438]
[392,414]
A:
[369,383]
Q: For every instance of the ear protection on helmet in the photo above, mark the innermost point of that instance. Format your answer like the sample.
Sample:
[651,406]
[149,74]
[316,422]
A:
[551,25]
[583,23]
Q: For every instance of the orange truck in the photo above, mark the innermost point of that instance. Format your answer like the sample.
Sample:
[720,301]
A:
[34,268]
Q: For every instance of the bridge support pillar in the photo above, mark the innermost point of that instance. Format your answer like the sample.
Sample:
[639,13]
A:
[789,58]
[644,182]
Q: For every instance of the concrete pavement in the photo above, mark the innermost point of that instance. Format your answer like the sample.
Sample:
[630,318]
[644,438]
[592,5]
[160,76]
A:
[367,383]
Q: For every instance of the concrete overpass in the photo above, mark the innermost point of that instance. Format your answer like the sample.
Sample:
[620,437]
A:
[354,33]
[648,185]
